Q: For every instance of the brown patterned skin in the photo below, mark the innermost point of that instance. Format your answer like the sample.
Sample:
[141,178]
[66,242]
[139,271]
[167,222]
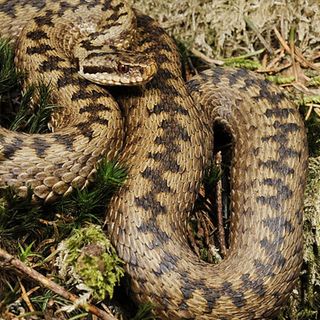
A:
[167,147]
[89,124]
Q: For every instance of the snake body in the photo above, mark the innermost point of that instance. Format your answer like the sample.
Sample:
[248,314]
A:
[168,143]
[89,124]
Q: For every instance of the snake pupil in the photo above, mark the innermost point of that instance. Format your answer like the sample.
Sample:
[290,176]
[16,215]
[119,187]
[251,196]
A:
[123,68]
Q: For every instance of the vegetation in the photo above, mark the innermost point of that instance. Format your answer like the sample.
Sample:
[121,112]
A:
[87,257]
[65,239]
[56,240]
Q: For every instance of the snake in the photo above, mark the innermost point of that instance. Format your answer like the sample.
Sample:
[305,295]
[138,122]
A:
[162,129]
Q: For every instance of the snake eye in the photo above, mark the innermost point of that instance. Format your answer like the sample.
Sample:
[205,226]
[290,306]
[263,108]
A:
[122,68]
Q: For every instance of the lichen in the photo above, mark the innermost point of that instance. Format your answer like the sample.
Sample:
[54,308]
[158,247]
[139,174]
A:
[221,28]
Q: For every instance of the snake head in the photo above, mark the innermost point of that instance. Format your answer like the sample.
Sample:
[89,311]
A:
[123,68]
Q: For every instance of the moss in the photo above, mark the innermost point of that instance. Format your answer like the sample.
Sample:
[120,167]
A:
[314,81]
[280,79]
[88,257]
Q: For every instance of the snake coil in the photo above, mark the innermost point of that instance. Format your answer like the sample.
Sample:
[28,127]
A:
[166,146]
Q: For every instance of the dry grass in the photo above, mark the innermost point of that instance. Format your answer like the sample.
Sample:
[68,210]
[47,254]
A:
[220,28]
[226,28]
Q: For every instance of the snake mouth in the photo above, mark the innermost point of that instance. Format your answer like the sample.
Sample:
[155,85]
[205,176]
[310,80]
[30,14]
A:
[134,79]
[118,72]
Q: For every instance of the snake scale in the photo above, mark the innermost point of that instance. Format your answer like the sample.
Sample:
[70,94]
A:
[163,133]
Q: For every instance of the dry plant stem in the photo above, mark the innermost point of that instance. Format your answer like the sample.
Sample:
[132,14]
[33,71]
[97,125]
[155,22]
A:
[25,297]
[297,54]
[317,111]
[20,266]
[275,62]
[294,64]
[307,63]
[315,56]
[282,67]
[282,41]
[252,26]
[203,57]
[309,112]
[266,65]
[312,107]
[264,61]
[275,70]
[221,233]
[193,242]
[299,86]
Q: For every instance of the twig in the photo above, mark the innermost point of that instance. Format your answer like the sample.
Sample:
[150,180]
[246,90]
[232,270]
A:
[306,62]
[203,57]
[300,87]
[317,111]
[281,40]
[298,56]
[25,297]
[316,55]
[264,61]
[221,233]
[35,275]
[278,54]
[190,69]
[275,70]
[311,107]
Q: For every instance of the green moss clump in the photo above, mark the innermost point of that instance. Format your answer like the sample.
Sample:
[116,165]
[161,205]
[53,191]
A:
[88,258]
[277,79]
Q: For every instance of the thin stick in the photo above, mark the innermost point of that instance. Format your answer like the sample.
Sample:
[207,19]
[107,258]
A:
[281,40]
[307,63]
[38,277]
[273,63]
[297,54]
[25,297]
[311,107]
[203,57]
[275,70]
[222,237]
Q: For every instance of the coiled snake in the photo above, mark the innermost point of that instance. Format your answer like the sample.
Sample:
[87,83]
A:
[167,145]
